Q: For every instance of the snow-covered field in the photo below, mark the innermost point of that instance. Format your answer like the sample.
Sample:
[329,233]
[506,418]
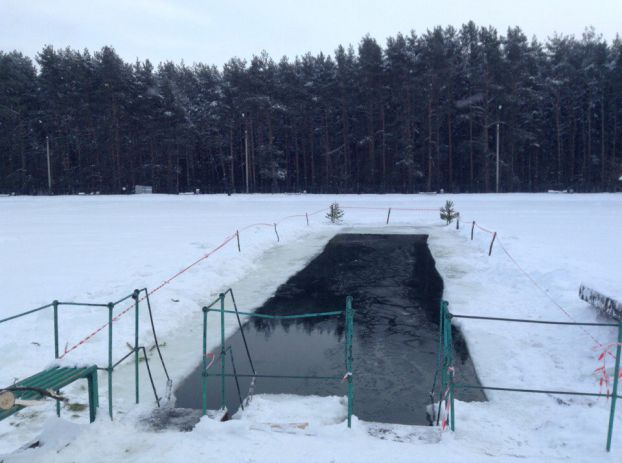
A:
[98,249]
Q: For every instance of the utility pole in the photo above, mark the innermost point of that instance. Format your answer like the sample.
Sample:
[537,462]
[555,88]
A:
[497,176]
[246,151]
[47,149]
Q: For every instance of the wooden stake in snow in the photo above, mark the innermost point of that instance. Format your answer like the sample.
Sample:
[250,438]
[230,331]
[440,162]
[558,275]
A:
[494,235]
[277,233]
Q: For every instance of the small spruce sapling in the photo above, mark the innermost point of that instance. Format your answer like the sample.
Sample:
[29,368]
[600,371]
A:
[448,214]
[335,214]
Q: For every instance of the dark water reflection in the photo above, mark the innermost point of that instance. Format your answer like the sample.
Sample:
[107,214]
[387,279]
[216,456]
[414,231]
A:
[396,291]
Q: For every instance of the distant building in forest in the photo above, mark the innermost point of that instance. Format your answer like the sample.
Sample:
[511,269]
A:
[143,189]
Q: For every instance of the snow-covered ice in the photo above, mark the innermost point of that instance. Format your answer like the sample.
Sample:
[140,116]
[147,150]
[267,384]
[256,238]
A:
[96,249]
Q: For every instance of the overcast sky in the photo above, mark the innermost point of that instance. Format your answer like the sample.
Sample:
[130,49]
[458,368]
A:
[212,31]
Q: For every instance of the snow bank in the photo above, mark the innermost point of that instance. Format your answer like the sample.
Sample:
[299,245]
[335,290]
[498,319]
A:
[100,248]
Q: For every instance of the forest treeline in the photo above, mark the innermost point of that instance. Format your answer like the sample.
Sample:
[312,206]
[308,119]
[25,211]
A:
[419,114]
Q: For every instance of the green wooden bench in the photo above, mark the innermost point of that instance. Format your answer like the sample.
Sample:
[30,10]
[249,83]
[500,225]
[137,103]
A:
[55,379]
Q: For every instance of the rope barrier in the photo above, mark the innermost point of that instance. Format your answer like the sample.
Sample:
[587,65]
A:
[414,209]
[290,217]
[393,208]
[307,215]
[484,229]
[257,225]
[545,292]
[236,236]
[318,211]
[167,281]
[526,274]
[364,207]
[163,284]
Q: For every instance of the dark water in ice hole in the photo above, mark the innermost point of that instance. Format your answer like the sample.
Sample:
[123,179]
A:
[396,291]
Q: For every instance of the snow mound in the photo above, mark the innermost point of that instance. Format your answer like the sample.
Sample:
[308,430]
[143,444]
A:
[294,410]
[55,436]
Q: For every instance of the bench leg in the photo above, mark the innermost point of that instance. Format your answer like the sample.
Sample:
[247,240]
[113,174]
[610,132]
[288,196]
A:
[93,395]
[96,389]
[58,405]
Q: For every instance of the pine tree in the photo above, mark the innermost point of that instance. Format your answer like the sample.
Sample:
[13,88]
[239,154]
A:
[335,215]
[416,115]
[448,214]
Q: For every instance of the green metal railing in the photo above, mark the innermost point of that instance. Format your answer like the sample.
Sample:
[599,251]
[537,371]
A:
[135,350]
[348,314]
[446,366]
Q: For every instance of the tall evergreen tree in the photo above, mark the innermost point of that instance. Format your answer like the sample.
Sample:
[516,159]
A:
[418,114]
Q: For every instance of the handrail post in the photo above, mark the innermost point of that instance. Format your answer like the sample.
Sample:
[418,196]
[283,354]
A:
[135,297]
[204,375]
[447,378]
[614,393]
[441,357]
[55,305]
[110,309]
[349,329]
[222,351]
[443,360]
[450,372]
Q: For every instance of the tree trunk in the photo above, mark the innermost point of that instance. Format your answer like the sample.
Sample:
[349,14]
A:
[558,128]
[603,160]
[384,152]
[450,155]
[429,179]
[232,156]
[371,159]
[327,164]
[471,160]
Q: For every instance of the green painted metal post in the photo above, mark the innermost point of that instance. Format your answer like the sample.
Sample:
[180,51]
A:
[444,363]
[440,358]
[204,375]
[614,393]
[441,346]
[135,297]
[450,373]
[55,305]
[110,308]
[92,386]
[444,358]
[223,401]
[96,388]
[349,330]
[447,379]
